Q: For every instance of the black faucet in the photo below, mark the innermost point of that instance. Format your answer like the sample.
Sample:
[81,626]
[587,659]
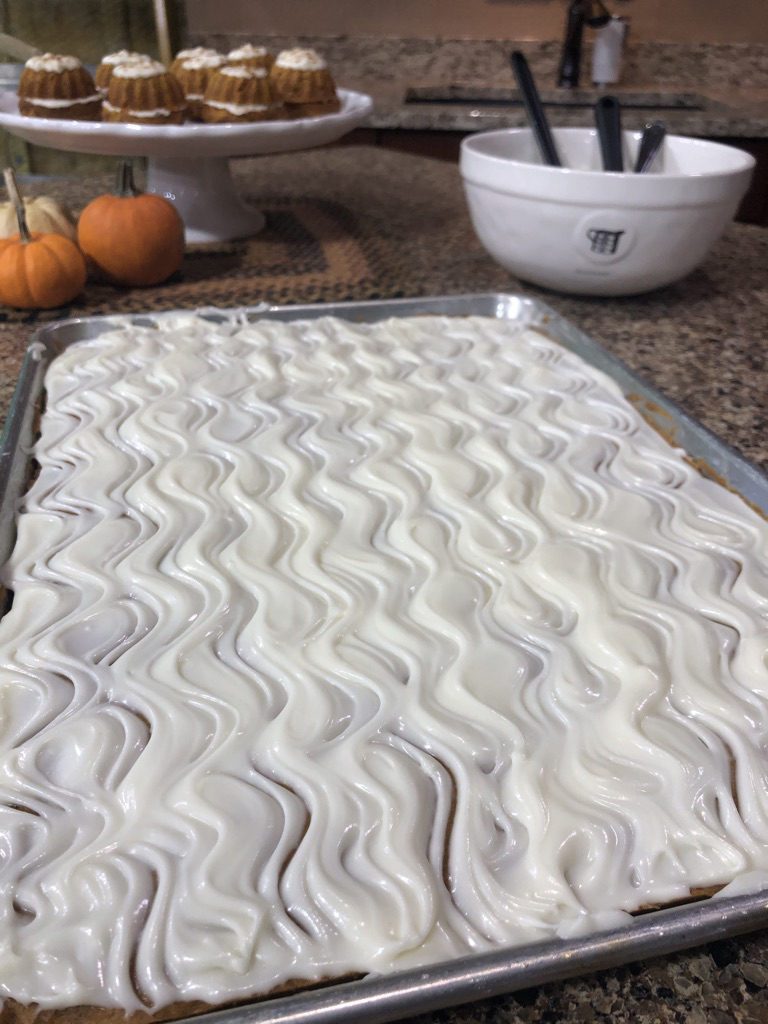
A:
[580,13]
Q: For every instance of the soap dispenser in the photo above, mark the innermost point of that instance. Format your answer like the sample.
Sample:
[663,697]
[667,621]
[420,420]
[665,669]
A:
[608,51]
[580,13]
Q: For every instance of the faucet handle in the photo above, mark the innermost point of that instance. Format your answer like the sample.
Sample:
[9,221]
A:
[580,13]
[598,14]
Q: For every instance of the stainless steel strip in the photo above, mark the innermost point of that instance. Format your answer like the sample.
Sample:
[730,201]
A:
[391,997]
[438,986]
[16,443]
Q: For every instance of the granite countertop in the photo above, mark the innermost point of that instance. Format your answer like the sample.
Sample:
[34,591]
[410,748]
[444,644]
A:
[702,342]
[715,92]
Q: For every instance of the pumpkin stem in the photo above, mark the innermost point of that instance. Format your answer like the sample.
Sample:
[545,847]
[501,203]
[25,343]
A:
[18,203]
[125,184]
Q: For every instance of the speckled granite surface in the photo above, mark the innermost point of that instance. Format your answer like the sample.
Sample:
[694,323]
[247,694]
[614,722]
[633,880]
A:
[742,117]
[703,341]
[730,79]
[723,983]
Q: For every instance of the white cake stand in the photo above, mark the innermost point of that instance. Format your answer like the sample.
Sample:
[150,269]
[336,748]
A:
[189,163]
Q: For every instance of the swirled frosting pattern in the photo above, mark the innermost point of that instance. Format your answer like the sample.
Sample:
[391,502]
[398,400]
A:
[342,648]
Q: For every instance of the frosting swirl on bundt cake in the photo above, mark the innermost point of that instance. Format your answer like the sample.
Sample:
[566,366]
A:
[57,85]
[110,62]
[301,59]
[144,93]
[238,93]
[194,53]
[251,56]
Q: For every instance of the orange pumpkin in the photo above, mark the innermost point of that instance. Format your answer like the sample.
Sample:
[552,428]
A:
[37,271]
[132,237]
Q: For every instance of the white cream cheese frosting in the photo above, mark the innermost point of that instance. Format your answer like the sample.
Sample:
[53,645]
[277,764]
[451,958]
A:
[239,109]
[53,62]
[59,104]
[126,57]
[343,648]
[211,60]
[241,71]
[155,112]
[139,69]
[197,51]
[247,52]
[300,59]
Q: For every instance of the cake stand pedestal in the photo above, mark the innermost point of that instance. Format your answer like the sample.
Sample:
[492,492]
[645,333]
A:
[204,194]
[189,163]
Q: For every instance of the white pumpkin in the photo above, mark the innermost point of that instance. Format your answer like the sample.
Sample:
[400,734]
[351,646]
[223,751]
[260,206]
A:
[43,214]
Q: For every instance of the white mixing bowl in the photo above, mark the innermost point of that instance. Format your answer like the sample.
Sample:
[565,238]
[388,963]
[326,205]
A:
[579,229]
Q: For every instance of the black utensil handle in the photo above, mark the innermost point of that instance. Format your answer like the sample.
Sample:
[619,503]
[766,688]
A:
[650,144]
[608,121]
[534,109]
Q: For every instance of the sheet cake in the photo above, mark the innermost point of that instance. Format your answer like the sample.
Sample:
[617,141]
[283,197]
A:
[345,648]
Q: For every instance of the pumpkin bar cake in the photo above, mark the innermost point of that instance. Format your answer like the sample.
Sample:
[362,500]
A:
[345,648]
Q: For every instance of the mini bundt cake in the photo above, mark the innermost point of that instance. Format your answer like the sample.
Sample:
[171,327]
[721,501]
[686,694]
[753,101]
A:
[144,93]
[193,54]
[57,85]
[301,79]
[237,93]
[193,74]
[251,56]
[110,62]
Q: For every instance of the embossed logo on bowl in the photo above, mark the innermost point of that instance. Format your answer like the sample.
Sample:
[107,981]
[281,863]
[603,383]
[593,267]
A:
[604,236]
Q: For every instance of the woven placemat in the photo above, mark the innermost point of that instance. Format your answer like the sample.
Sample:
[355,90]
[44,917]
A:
[338,228]
[309,251]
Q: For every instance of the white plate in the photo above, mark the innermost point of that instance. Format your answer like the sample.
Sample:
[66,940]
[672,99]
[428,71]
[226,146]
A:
[188,163]
[198,140]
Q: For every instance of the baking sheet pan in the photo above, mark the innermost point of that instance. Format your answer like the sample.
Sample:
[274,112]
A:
[405,993]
